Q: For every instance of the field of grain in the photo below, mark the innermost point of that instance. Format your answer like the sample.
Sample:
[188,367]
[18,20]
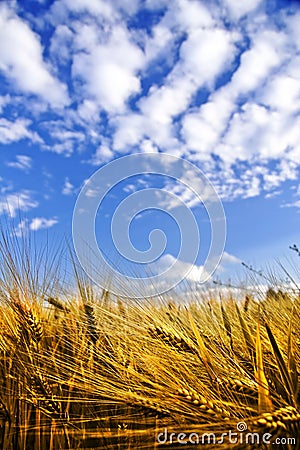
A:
[89,371]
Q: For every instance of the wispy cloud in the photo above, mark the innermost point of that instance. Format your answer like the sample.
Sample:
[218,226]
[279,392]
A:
[22,162]
[39,223]
[13,131]
[68,188]
[4,100]
[227,258]
[13,203]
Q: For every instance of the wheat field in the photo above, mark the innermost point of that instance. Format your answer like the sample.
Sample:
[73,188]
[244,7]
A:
[83,369]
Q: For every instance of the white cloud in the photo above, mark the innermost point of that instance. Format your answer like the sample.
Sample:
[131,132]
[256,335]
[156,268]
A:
[273,194]
[256,131]
[227,258]
[212,49]
[203,128]
[129,8]
[35,224]
[239,9]
[62,148]
[100,9]
[21,229]
[287,96]
[257,62]
[86,36]
[196,272]
[166,102]
[102,154]
[88,111]
[164,262]
[66,135]
[110,71]
[193,15]
[294,204]
[129,130]
[23,162]
[292,23]
[91,193]
[156,4]
[133,128]
[13,203]
[68,188]
[5,186]
[161,39]
[140,89]
[60,44]
[19,45]
[16,130]
[39,223]
[94,7]
[178,193]
[4,100]
[209,48]
[147,146]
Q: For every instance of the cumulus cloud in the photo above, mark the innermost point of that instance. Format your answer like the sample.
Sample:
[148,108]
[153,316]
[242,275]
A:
[219,86]
[287,96]
[13,131]
[98,8]
[13,203]
[88,111]
[60,44]
[196,273]
[227,258]
[240,9]
[19,45]
[258,62]
[102,154]
[39,223]
[35,224]
[21,229]
[65,136]
[68,188]
[110,71]
[203,56]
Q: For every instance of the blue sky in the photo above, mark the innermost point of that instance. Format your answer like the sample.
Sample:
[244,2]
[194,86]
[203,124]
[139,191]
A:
[217,83]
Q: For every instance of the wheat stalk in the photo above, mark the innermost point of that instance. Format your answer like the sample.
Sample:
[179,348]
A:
[285,419]
[172,340]
[206,406]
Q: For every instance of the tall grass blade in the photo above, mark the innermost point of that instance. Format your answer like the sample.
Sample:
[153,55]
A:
[264,400]
[227,325]
[285,376]
[202,349]
[292,365]
[247,334]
